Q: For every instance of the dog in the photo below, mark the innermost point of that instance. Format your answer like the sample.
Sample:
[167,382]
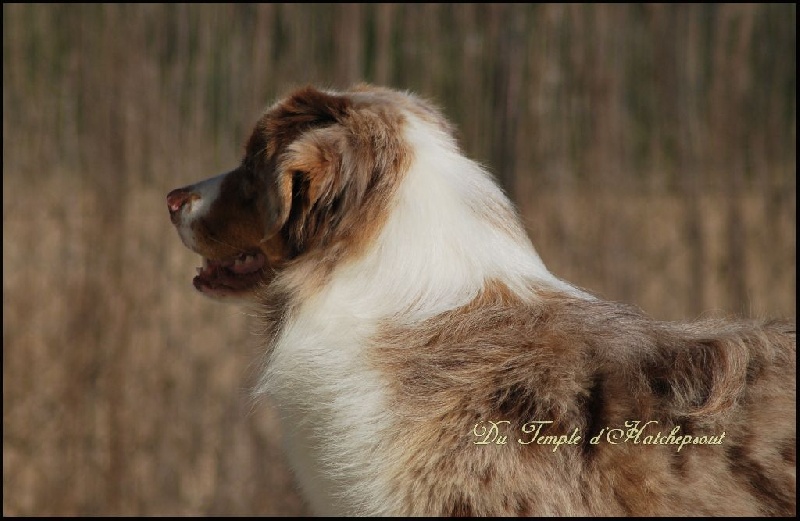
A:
[425,362]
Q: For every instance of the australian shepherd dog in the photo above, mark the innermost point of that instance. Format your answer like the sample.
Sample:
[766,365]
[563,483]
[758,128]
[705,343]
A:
[424,360]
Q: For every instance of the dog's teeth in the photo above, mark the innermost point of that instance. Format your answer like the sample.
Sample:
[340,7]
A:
[239,261]
[199,271]
[249,258]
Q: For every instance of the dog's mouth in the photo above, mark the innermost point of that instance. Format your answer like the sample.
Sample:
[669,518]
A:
[234,276]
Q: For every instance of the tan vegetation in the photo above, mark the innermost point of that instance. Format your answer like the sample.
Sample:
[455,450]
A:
[651,150]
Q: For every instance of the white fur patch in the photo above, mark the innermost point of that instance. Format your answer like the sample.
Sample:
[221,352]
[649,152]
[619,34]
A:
[208,191]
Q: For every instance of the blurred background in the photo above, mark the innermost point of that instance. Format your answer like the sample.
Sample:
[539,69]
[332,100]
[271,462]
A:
[651,150]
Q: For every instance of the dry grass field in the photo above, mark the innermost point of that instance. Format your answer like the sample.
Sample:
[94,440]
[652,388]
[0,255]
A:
[651,151]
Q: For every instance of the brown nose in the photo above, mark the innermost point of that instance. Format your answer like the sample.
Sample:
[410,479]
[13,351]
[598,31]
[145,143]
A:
[178,198]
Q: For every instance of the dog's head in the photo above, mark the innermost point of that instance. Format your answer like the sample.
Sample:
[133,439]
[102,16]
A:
[316,179]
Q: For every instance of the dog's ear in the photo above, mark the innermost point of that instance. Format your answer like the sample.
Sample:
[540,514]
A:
[300,145]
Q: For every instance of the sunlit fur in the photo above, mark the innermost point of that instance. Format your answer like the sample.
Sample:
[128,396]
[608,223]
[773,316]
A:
[404,304]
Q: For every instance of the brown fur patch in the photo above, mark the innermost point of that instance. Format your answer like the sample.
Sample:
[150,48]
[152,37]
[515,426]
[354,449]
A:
[331,165]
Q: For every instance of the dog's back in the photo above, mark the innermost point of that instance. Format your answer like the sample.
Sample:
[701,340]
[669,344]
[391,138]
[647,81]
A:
[585,407]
